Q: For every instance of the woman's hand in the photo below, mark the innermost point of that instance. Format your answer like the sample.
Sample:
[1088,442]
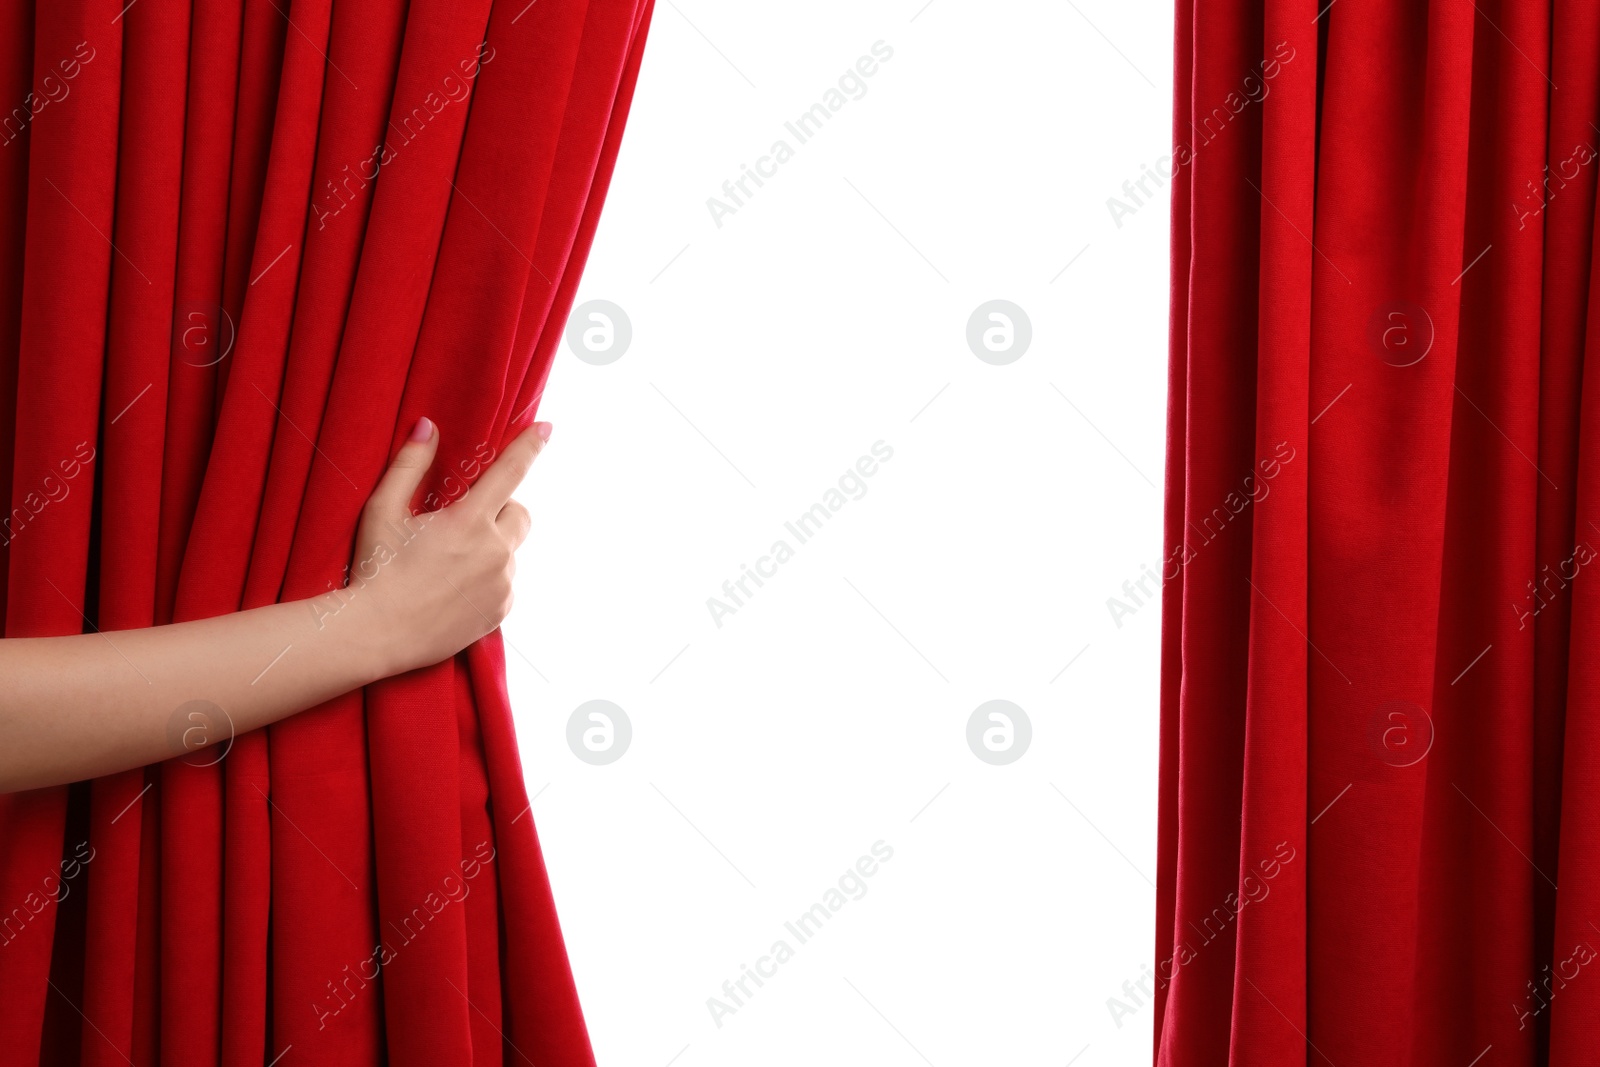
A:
[423,588]
[435,582]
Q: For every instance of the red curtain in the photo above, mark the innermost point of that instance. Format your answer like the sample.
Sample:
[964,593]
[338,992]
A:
[1380,814]
[243,246]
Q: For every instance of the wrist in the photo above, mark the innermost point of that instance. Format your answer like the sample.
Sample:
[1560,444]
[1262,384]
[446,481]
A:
[375,634]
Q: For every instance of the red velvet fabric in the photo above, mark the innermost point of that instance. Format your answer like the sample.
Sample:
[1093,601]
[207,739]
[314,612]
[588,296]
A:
[243,246]
[1380,731]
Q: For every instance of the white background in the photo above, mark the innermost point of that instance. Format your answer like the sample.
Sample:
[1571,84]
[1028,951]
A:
[830,711]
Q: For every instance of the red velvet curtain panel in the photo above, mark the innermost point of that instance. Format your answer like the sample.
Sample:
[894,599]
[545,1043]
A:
[243,247]
[1380,767]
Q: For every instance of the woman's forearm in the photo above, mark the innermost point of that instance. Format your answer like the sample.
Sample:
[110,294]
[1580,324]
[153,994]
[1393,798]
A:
[90,704]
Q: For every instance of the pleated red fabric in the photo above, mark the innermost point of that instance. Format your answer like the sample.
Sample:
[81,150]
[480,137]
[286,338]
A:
[1380,762]
[244,245]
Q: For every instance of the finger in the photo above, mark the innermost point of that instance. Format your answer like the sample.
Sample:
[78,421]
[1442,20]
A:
[514,523]
[507,472]
[392,498]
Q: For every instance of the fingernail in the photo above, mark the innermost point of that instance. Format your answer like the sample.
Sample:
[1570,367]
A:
[543,430]
[422,430]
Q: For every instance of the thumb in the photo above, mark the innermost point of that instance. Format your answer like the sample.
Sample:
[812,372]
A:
[392,498]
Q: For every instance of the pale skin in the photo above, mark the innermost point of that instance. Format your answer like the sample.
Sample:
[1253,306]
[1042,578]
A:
[423,588]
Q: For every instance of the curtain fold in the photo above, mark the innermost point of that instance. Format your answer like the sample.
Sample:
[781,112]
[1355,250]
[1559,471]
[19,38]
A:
[243,247]
[1380,832]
